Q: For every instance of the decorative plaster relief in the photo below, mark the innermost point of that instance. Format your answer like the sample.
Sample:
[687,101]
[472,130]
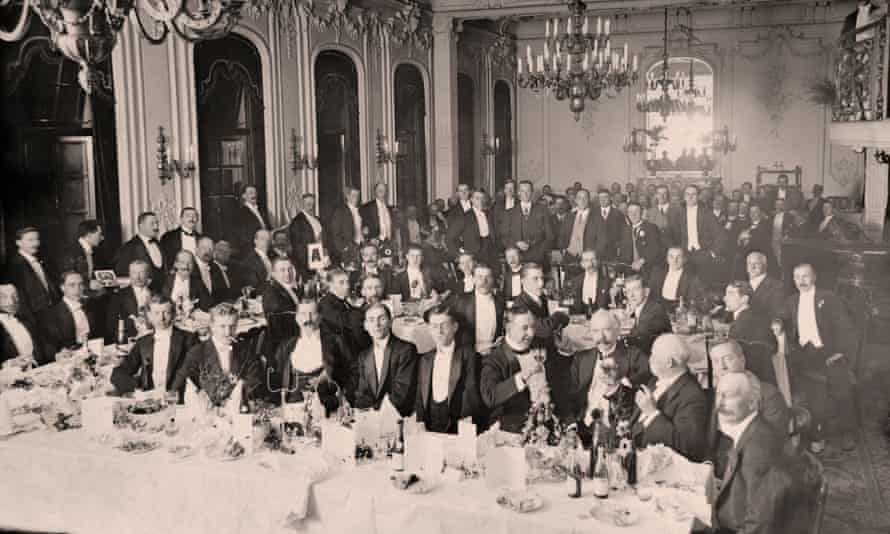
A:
[847,168]
[530,168]
[775,94]
[166,210]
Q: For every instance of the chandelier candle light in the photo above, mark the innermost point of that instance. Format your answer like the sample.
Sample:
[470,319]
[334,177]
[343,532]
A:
[576,64]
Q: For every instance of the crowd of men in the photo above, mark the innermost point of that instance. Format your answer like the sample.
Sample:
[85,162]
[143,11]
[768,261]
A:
[483,266]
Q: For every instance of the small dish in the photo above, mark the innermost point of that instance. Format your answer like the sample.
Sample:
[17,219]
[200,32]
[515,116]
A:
[522,501]
[618,515]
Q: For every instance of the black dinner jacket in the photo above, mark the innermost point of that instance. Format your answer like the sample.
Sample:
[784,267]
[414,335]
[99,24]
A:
[33,297]
[253,271]
[682,421]
[76,260]
[752,331]
[710,234]
[762,236]
[463,233]
[122,305]
[244,366]
[399,379]
[463,386]
[133,250]
[301,235]
[171,244]
[507,289]
[545,325]
[562,230]
[137,367]
[403,286]
[536,230]
[222,291]
[218,291]
[769,298]
[465,308]
[247,224]
[341,318]
[338,361]
[836,329]
[787,223]
[652,322]
[649,245]
[280,311]
[196,291]
[688,287]
[8,349]
[497,387]
[342,232]
[58,327]
[613,227]
[632,364]
[602,292]
[384,273]
[371,219]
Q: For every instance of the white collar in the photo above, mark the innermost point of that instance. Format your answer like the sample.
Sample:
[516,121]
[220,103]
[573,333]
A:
[447,350]
[582,212]
[31,258]
[221,347]
[591,274]
[525,205]
[664,384]
[809,295]
[166,332]
[735,314]
[381,344]
[260,253]
[202,263]
[609,353]
[757,280]
[86,246]
[487,296]
[678,273]
[379,202]
[305,336]
[637,225]
[144,239]
[735,430]
[74,305]
[691,208]
[351,207]
[664,206]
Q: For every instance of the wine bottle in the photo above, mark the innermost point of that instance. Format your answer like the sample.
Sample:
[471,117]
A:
[594,449]
[630,464]
[573,478]
[589,309]
[121,334]
[398,449]
[601,476]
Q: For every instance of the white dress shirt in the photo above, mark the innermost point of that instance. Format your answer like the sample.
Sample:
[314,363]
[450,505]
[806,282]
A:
[466,205]
[88,252]
[756,281]
[157,258]
[356,223]
[598,388]
[379,348]
[605,212]
[589,289]
[307,355]
[486,322]
[181,289]
[734,431]
[663,208]
[576,239]
[442,372]
[735,314]
[526,207]
[807,329]
[414,235]
[142,295]
[482,221]
[204,268]
[415,282]
[188,241]
[469,284]
[224,352]
[671,284]
[315,224]
[509,202]
[692,227]
[384,220]
[778,221]
[256,213]
[37,268]
[160,358]
[515,283]
[81,323]
[18,333]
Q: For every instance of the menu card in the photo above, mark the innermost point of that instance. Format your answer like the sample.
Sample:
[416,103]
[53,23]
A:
[338,441]
[97,415]
[506,467]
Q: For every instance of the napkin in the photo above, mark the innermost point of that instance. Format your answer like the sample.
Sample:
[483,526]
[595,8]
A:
[506,468]
[97,415]
[338,441]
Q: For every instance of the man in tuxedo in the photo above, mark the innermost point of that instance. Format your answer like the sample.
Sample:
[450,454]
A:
[473,231]
[386,370]
[249,218]
[82,256]
[640,242]
[675,281]
[696,230]
[528,228]
[129,302]
[512,274]
[182,286]
[462,204]
[760,230]
[143,246]
[792,196]
[769,292]
[371,265]
[68,323]
[718,208]
[751,329]
[313,357]
[503,203]
[377,217]
[256,268]
[658,214]
[747,496]
[534,299]
[228,277]
[185,237]
[31,275]
[821,340]
[590,389]
[781,228]
[461,282]
[18,334]
[815,212]
[156,358]
[280,298]
[563,220]
[591,287]
[650,318]
[305,228]
[338,315]
[280,245]
[447,376]
[675,413]
[223,354]
[370,290]
[416,282]
[209,273]
[480,313]
[585,232]
[614,224]
[346,228]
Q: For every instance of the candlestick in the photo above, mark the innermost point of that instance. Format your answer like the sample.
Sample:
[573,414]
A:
[599,26]
[547,28]
[569,63]
[546,52]
[625,53]
[635,63]
[585,62]
[585,27]
[555,28]
[519,63]
[608,23]
[528,52]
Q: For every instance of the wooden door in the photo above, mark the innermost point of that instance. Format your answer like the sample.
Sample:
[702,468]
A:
[410,119]
[75,194]
[466,130]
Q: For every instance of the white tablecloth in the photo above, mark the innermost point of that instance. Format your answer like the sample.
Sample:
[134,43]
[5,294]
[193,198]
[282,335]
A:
[414,330]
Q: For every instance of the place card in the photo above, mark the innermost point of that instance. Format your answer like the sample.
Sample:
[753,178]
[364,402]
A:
[339,442]
[466,446]
[97,415]
[415,452]
[7,425]
[293,412]
[242,431]
[96,346]
[506,467]
[433,454]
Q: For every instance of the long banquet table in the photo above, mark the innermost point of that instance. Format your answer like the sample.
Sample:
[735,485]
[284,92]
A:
[64,481]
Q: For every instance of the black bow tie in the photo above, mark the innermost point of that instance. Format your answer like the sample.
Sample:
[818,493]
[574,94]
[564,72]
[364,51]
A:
[153,241]
[190,234]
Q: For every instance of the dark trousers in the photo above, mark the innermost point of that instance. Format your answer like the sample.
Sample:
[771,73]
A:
[827,389]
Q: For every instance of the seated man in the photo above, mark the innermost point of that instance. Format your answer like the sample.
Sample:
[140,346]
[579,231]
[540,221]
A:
[751,330]
[311,357]
[447,376]
[386,370]
[229,276]
[650,318]
[280,298]
[416,282]
[129,302]
[463,284]
[480,313]
[512,281]
[371,265]
[675,281]
[156,358]
[181,286]
[591,288]
[768,298]
[18,336]
[338,315]
[68,323]
[591,383]
[675,413]
[533,299]
[222,356]
[256,267]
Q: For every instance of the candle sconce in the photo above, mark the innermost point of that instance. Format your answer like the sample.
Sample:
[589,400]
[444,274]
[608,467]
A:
[299,158]
[388,152]
[636,141]
[490,145]
[722,142]
[882,157]
[168,166]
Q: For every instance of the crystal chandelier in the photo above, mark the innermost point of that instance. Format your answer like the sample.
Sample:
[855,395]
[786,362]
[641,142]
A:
[576,64]
[85,31]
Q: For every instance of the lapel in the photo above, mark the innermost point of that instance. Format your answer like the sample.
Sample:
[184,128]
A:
[734,458]
[455,372]
[672,391]
[426,376]
[176,340]
[471,309]
[587,364]
[147,351]
[66,323]
[683,285]
[371,370]
[387,356]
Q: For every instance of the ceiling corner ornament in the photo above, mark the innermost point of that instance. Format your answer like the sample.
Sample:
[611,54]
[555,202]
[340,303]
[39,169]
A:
[778,38]
[502,51]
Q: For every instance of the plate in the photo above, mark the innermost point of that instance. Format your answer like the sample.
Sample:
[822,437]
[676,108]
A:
[522,501]
[618,515]
[411,483]
[138,446]
[672,506]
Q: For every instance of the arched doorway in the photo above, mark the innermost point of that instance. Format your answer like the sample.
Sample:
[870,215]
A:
[232,152]
[410,109]
[336,104]
[466,137]
[503,132]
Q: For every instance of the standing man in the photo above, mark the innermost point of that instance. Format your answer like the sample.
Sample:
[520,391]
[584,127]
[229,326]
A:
[387,370]
[377,217]
[250,217]
[338,315]
[305,228]
[447,376]
[480,313]
[502,204]
[814,209]
[534,300]
[782,225]
[614,224]
[658,213]
[31,275]
[473,231]
[640,242]
[696,230]
[83,257]
[129,302]
[528,227]
[675,281]
[585,233]
[346,228]
[143,246]
[183,238]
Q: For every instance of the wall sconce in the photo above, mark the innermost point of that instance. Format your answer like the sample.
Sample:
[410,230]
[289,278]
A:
[490,145]
[636,141]
[167,167]
[299,159]
[882,157]
[385,152]
[721,141]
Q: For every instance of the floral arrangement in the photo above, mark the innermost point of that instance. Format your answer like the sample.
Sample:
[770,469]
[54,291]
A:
[216,385]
